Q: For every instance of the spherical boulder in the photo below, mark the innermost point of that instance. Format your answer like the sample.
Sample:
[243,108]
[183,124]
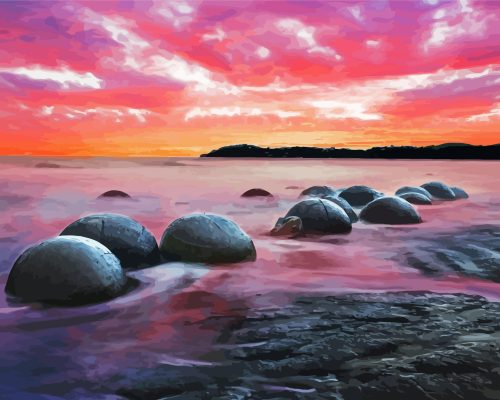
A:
[131,242]
[345,206]
[416,198]
[290,226]
[413,189]
[66,270]
[439,190]
[359,196]
[114,194]
[390,210]
[256,193]
[321,216]
[318,191]
[206,238]
[459,193]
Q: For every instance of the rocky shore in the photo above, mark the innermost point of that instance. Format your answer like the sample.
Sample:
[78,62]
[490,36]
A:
[406,345]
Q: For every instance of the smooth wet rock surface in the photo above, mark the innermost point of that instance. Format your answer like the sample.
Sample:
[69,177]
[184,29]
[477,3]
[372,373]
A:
[257,193]
[407,345]
[342,203]
[318,191]
[473,252]
[114,194]
[459,192]
[359,196]
[439,190]
[66,270]
[416,198]
[321,216]
[390,210]
[413,189]
[206,238]
[131,242]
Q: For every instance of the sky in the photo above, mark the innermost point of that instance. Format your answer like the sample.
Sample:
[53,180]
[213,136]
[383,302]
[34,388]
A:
[179,78]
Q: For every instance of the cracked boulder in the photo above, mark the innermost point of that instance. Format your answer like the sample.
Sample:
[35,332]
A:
[318,191]
[321,216]
[66,270]
[342,203]
[130,241]
[206,238]
[290,226]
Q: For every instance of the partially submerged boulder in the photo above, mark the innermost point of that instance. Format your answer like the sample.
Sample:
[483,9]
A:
[114,194]
[67,270]
[321,216]
[206,238]
[290,226]
[416,198]
[256,193]
[345,206]
[130,241]
[439,190]
[390,210]
[359,196]
[459,193]
[318,191]
[413,189]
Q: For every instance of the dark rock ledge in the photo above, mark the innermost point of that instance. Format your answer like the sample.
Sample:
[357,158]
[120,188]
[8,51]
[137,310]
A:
[407,345]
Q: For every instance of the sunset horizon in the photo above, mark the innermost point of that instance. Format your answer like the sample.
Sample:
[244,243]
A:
[179,78]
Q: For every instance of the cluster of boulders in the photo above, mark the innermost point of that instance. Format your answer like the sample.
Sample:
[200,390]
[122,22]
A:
[87,262]
[332,211]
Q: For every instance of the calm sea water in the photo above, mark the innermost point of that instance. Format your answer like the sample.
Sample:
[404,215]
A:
[63,352]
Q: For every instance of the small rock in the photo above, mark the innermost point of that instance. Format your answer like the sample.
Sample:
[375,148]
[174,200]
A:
[321,216]
[131,242]
[256,193]
[206,238]
[359,196]
[67,270]
[290,226]
[416,198]
[413,189]
[439,190]
[114,194]
[318,191]
[345,206]
[459,193]
[390,210]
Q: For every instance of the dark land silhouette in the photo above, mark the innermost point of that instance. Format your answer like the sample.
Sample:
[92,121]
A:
[457,151]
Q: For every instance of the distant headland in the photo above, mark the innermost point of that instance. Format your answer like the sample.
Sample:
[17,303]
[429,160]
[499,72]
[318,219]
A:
[456,151]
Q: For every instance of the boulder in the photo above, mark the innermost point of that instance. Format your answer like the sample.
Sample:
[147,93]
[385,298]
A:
[439,190]
[416,198]
[413,189]
[345,206]
[206,238]
[256,193]
[290,226]
[459,193]
[318,191]
[321,216]
[113,194]
[390,210]
[359,196]
[131,242]
[66,270]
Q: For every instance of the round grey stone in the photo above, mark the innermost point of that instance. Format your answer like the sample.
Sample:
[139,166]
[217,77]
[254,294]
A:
[416,198]
[206,238]
[413,189]
[439,190]
[459,193]
[131,242]
[345,206]
[359,196]
[321,216]
[390,210]
[66,270]
[318,191]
